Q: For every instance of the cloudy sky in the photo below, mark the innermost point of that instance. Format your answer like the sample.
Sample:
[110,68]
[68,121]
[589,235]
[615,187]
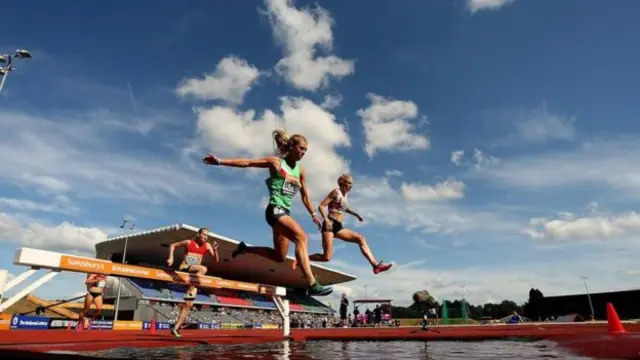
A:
[493,142]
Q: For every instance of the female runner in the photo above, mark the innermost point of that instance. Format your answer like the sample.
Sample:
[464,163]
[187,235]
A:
[286,178]
[337,203]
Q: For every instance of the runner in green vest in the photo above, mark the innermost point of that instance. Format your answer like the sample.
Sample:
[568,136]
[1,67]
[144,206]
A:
[286,179]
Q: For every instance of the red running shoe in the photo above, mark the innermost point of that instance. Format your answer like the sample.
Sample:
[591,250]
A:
[381,268]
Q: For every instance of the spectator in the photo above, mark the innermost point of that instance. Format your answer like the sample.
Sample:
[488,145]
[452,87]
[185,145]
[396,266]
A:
[377,312]
[344,304]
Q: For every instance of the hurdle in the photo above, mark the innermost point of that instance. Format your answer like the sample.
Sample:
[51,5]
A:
[56,262]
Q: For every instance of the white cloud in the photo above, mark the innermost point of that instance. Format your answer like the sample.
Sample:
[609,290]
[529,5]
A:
[478,5]
[302,32]
[393,173]
[331,101]
[63,236]
[603,163]
[483,161]
[232,79]
[586,228]
[387,125]
[541,125]
[479,160]
[226,131]
[29,205]
[80,156]
[383,205]
[456,157]
[445,190]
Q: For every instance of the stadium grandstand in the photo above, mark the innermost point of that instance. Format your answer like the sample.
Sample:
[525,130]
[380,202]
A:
[142,299]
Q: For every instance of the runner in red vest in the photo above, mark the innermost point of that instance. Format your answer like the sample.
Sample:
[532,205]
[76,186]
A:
[195,251]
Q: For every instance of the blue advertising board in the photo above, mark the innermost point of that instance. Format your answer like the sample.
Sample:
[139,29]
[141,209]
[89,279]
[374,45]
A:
[208,326]
[146,325]
[29,322]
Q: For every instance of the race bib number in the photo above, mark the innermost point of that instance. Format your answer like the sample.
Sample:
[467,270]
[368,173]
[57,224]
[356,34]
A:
[290,187]
[193,259]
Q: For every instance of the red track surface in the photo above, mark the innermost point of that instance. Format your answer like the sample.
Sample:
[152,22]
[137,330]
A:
[585,339]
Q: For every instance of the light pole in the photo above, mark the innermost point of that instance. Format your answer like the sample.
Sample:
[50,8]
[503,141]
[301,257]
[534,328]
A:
[593,315]
[8,59]
[124,255]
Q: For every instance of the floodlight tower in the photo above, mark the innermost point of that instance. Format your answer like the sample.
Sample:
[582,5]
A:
[8,60]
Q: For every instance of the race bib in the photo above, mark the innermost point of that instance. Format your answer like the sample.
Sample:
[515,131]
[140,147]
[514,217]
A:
[193,259]
[290,187]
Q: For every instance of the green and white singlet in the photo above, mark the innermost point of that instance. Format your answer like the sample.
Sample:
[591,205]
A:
[284,185]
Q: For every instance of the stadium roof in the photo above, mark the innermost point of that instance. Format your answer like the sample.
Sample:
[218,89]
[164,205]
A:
[622,292]
[152,247]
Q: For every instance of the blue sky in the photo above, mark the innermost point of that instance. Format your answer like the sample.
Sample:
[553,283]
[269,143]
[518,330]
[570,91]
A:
[492,142]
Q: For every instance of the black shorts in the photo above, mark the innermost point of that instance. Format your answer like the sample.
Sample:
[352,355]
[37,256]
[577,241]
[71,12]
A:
[343,315]
[273,212]
[95,294]
[335,228]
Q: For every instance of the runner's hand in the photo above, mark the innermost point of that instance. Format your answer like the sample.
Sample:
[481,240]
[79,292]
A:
[214,245]
[360,218]
[170,261]
[316,220]
[210,159]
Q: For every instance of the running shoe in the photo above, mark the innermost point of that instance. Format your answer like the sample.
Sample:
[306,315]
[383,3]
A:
[239,250]
[381,268]
[175,332]
[318,290]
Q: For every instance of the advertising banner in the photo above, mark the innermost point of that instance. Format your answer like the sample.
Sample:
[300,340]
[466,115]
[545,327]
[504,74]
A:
[270,326]
[5,321]
[146,325]
[62,323]
[29,322]
[127,325]
[88,265]
[101,325]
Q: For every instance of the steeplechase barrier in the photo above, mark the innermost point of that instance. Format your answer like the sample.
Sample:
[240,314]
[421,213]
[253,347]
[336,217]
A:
[56,262]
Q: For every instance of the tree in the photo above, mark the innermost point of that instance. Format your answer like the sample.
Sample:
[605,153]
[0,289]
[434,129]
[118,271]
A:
[534,307]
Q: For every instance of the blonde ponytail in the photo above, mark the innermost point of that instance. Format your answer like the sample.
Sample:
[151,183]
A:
[281,141]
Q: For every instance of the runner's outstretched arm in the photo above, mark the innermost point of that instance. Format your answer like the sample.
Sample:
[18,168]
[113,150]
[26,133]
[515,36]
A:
[354,213]
[269,161]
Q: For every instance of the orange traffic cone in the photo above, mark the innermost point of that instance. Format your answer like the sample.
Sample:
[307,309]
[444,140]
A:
[613,321]
[152,326]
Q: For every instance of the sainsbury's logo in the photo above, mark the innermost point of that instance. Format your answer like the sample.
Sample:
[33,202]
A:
[83,264]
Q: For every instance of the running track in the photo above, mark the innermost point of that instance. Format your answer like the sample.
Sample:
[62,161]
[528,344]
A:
[588,339]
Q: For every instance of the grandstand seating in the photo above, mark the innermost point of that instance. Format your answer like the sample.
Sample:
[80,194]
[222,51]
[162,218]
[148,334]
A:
[299,302]
[229,297]
[260,301]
